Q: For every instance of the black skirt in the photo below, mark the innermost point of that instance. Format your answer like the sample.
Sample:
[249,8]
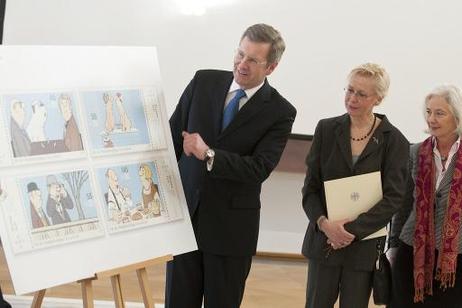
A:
[403,284]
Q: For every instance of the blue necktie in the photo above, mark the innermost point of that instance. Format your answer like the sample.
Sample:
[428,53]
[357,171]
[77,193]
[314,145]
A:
[232,108]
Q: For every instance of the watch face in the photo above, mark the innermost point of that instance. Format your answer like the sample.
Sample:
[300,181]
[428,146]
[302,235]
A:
[210,153]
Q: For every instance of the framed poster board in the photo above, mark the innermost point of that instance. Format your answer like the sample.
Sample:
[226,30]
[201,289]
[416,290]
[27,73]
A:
[88,175]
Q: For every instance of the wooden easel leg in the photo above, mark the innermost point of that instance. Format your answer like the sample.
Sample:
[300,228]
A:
[38,299]
[87,293]
[117,290]
[145,289]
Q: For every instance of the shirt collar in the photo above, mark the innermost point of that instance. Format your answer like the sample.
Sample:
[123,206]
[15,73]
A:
[454,147]
[248,92]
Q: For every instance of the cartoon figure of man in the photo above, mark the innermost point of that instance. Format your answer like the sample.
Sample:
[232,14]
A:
[36,127]
[108,101]
[58,201]
[38,217]
[126,124]
[72,137]
[20,141]
[118,198]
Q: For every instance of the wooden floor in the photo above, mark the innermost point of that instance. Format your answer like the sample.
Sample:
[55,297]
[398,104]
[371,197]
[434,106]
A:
[272,283]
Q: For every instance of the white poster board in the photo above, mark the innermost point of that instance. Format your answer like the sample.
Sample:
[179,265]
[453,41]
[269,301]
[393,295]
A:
[88,174]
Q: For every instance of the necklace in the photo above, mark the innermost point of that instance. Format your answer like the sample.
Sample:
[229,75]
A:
[368,133]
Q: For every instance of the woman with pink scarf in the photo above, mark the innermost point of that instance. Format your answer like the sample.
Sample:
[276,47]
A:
[425,236]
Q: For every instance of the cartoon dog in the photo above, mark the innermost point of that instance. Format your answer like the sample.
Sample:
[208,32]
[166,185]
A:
[36,127]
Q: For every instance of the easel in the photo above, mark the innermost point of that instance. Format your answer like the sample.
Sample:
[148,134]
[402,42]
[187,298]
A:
[114,275]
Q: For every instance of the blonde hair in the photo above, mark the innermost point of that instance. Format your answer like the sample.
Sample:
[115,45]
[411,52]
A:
[375,72]
[147,171]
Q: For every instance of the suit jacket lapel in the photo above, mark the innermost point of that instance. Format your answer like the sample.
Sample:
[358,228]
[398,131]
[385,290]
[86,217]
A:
[342,137]
[218,105]
[377,139]
[251,108]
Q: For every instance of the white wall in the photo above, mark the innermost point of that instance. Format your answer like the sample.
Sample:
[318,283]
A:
[418,41]
[283,222]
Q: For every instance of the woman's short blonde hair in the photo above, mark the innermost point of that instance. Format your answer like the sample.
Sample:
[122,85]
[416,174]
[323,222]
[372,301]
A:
[453,96]
[377,73]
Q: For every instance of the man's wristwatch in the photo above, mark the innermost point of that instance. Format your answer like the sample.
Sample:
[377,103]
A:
[209,155]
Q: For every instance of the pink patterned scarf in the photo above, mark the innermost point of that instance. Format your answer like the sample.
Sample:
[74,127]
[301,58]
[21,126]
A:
[424,234]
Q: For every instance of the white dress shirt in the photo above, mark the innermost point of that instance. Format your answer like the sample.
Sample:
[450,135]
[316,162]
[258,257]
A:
[440,169]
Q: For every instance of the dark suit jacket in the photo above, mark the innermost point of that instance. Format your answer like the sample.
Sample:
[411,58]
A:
[227,199]
[330,158]
[35,218]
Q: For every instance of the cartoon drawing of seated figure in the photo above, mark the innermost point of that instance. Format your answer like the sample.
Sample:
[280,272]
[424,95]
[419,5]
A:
[124,120]
[118,198]
[36,127]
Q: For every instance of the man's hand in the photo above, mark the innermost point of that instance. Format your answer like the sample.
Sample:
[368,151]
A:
[336,234]
[194,145]
[63,192]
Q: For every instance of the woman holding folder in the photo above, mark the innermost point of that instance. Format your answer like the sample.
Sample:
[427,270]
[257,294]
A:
[340,263]
[427,263]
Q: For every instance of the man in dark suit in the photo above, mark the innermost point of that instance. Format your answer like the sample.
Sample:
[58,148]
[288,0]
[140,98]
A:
[224,155]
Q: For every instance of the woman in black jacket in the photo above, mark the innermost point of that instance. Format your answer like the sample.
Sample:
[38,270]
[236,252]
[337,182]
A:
[340,263]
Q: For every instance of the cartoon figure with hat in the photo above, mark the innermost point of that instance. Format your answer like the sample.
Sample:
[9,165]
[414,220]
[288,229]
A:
[38,217]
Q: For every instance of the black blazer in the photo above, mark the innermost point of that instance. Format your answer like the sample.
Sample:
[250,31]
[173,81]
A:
[330,158]
[227,198]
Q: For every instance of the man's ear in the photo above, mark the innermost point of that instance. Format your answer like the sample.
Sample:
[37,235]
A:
[271,68]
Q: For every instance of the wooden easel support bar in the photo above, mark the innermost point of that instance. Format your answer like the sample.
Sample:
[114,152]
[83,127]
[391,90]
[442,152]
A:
[146,291]
[114,275]
[87,292]
[117,291]
[135,266]
[142,274]
[38,299]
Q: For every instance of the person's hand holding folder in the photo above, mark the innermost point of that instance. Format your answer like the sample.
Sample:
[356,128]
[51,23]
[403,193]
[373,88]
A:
[336,234]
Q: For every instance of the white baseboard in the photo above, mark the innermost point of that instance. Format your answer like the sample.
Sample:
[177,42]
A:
[54,302]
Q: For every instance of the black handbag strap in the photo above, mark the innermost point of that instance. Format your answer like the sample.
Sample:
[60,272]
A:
[380,249]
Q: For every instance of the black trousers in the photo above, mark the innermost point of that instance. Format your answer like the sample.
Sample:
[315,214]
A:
[219,280]
[326,283]
[403,284]
[3,302]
